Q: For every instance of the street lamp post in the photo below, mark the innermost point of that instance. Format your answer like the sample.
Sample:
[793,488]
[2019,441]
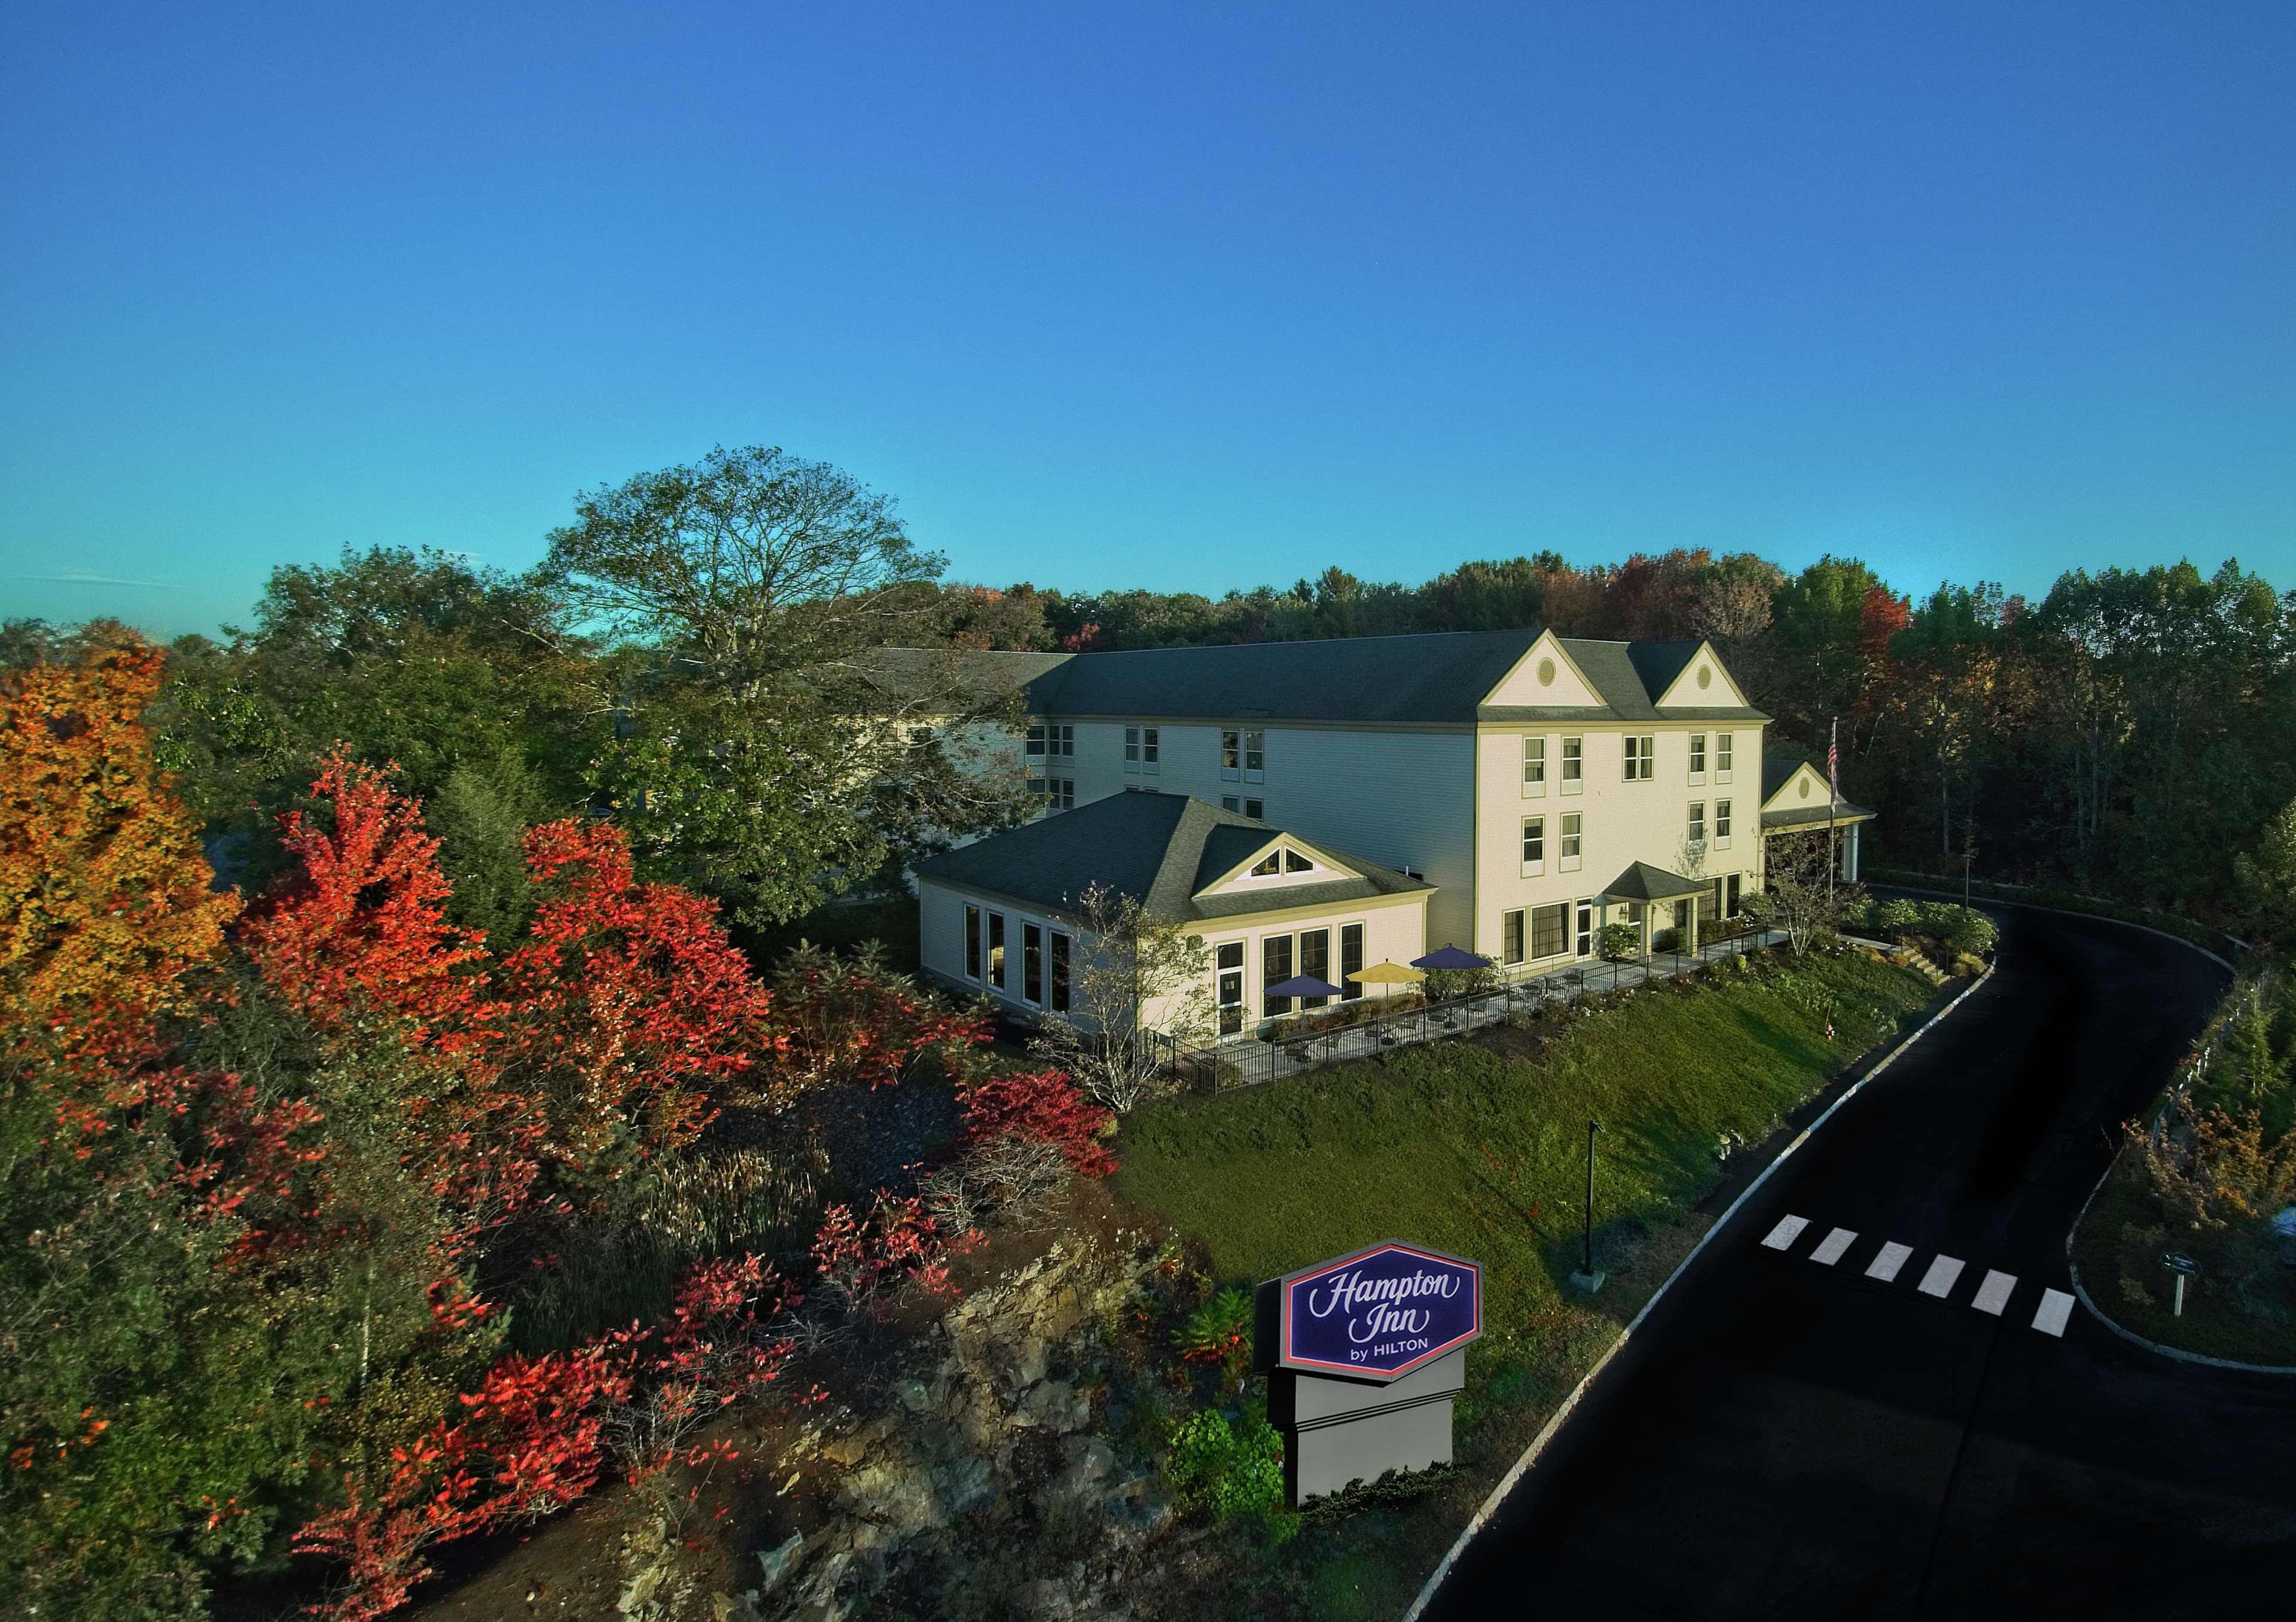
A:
[1586,1278]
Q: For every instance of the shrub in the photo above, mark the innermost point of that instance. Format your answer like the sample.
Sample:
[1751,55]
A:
[1667,940]
[1227,1467]
[1618,942]
[1959,929]
[1896,917]
[1219,1331]
[1042,1105]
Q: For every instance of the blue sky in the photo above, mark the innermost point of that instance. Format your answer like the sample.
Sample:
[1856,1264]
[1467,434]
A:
[1185,297]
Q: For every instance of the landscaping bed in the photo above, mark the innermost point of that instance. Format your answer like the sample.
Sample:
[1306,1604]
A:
[2118,1250]
[1477,1146]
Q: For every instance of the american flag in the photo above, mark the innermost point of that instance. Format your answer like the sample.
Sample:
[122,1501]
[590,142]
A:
[1833,760]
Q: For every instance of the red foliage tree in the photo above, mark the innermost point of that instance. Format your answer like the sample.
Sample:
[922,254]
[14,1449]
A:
[853,1019]
[627,1006]
[360,924]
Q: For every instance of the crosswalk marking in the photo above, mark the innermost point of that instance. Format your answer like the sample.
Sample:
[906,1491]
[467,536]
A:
[1789,1229]
[1993,1295]
[1939,1279]
[2056,1307]
[1886,1265]
[1830,1248]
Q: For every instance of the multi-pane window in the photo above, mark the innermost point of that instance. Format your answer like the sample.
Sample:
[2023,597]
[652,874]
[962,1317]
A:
[1722,822]
[972,943]
[1032,962]
[1721,757]
[996,950]
[1244,754]
[1572,827]
[1510,936]
[1060,1001]
[1534,766]
[1698,757]
[1574,764]
[1252,809]
[1048,740]
[1275,969]
[1351,962]
[1697,823]
[1534,841]
[1058,793]
[1231,988]
[1641,757]
[1547,930]
[1141,748]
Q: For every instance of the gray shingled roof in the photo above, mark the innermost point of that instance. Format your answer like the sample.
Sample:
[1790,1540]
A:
[1160,849]
[1643,883]
[1436,678]
[910,674]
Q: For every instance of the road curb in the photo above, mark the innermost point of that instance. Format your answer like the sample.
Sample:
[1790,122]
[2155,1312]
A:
[1508,1482]
[2067,912]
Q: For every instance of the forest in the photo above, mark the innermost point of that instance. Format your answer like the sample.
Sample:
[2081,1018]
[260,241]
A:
[418,1109]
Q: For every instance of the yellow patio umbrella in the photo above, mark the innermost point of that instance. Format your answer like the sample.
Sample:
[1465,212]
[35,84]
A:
[1388,974]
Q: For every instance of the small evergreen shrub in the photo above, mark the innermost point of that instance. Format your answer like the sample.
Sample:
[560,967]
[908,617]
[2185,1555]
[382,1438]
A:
[1227,1467]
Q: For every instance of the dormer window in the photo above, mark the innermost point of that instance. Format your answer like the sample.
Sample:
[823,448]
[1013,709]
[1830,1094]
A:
[1270,864]
[1294,863]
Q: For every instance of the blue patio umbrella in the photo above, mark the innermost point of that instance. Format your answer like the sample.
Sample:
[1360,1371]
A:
[1303,986]
[1450,957]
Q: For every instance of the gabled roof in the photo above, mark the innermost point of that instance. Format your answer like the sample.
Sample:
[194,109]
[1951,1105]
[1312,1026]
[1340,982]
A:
[1160,849]
[1779,765]
[1440,677]
[1643,883]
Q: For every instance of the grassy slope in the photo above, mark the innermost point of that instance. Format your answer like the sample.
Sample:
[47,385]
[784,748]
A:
[1483,1154]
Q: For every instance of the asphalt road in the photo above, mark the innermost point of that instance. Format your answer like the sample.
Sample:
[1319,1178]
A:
[1785,1438]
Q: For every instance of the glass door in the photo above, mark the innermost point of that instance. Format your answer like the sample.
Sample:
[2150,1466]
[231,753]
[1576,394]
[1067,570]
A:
[1585,922]
[1231,988]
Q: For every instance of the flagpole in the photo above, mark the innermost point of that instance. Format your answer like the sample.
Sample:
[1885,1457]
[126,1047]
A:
[1832,806]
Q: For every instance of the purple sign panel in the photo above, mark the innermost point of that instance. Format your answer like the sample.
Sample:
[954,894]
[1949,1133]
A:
[1379,1312]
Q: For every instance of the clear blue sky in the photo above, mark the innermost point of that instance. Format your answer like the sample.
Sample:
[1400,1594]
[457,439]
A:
[1184,298]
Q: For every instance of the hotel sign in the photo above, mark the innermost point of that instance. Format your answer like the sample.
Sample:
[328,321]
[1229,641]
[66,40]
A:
[1378,1313]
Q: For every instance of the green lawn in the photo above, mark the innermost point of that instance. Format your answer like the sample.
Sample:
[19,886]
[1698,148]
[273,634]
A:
[1482,1153]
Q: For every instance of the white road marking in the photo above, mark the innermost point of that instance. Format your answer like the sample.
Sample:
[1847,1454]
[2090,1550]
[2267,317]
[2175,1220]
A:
[1993,1294]
[2056,1307]
[1789,1229]
[1830,1248]
[1886,1265]
[1939,1279]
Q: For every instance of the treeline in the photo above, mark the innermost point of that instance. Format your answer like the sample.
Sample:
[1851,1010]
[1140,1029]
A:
[2126,734]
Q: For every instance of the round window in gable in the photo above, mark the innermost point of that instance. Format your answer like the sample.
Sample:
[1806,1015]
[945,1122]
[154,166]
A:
[1546,672]
[1705,677]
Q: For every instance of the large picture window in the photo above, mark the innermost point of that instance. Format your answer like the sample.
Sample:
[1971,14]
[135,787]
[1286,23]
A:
[1060,987]
[1351,962]
[1316,959]
[1275,969]
[1510,936]
[996,950]
[972,943]
[1549,926]
[1032,962]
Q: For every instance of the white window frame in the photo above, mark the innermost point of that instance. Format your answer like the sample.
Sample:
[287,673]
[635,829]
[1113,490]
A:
[1574,766]
[1571,842]
[1697,759]
[1231,754]
[1696,824]
[1638,758]
[1721,824]
[1255,754]
[1534,766]
[1722,753]
[1152,750]
[1132,750]
[1534,840]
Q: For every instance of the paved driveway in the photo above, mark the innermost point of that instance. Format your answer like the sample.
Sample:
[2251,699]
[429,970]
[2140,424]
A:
[1886,1411]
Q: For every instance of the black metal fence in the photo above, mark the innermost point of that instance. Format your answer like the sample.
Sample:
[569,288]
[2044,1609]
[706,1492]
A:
[1343,1032]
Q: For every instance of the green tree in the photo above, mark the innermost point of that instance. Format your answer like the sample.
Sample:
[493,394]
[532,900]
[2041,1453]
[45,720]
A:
[762,750]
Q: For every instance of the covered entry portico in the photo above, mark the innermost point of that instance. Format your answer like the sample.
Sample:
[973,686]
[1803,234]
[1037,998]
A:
[1647,886]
